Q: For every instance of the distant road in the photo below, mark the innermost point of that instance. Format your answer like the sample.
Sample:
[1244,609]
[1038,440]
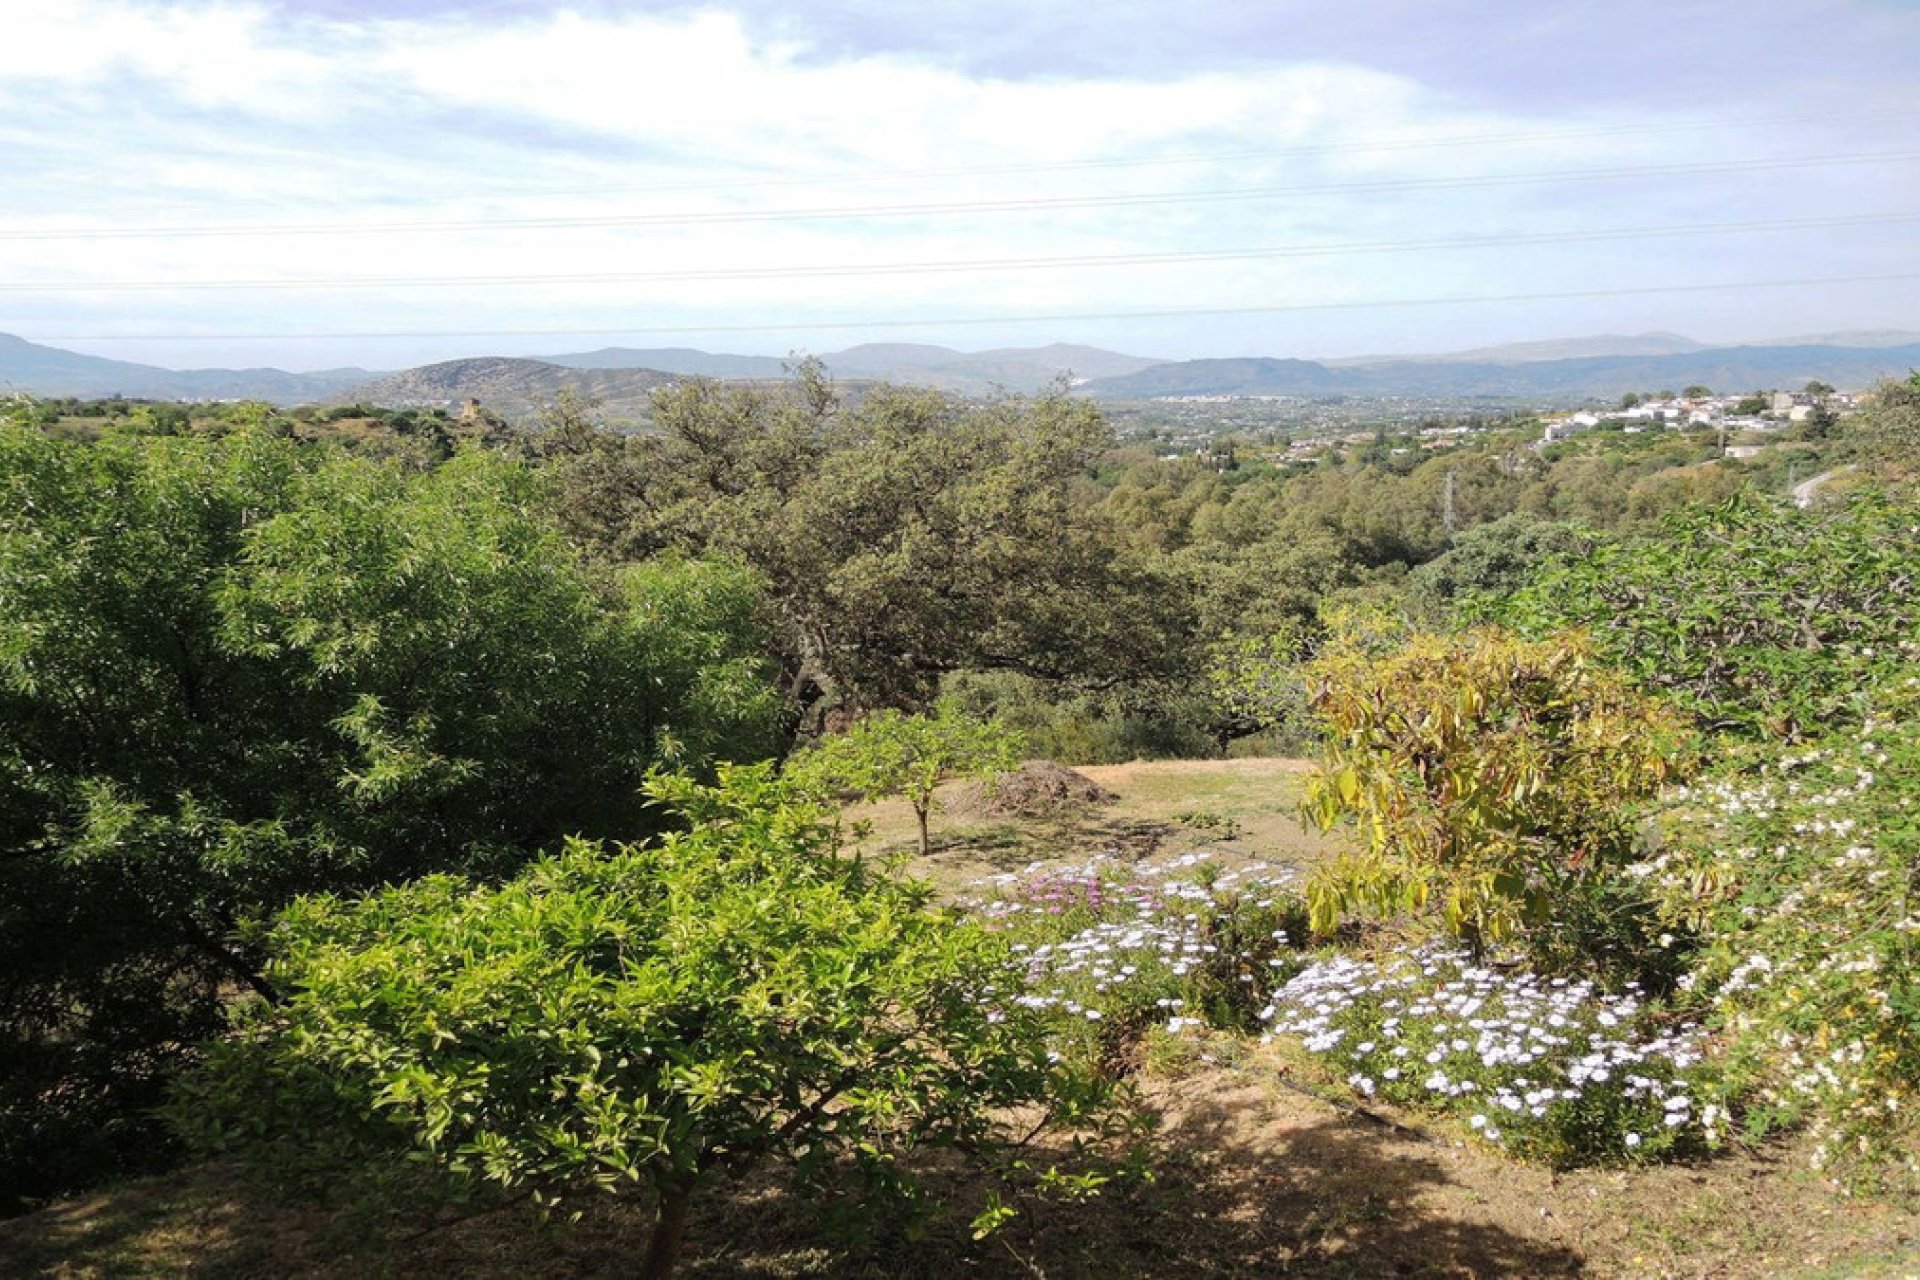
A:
[1804,491]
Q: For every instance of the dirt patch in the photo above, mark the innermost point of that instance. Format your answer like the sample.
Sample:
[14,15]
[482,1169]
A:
[1037,789]
[1257,1174]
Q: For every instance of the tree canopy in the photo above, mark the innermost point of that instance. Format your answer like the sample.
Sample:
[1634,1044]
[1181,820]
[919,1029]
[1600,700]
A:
[902,536]
[235,670]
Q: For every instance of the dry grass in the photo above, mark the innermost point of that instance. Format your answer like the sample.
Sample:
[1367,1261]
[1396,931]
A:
[1244,809]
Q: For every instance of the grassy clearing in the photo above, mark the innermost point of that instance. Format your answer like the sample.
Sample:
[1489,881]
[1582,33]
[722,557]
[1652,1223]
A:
[1267,1167]
[1245,810]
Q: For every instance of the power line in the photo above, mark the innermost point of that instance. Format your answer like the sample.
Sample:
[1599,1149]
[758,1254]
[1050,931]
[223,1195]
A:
[940,209]
[971,265]
[926,322]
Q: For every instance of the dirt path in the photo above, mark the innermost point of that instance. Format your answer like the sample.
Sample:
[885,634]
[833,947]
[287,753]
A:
[1805,492]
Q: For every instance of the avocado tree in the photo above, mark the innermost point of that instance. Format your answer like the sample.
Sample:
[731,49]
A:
[643,1019]
[1492,775]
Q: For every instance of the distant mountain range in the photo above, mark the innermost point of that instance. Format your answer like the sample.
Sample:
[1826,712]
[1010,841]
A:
[49,371]
[915,364]
[623,378]
[1584,377]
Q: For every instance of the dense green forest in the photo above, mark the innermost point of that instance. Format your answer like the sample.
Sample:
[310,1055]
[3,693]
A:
[453,811]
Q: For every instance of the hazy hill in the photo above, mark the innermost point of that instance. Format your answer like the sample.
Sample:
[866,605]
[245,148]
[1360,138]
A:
[1855,338]
[980,372]
[1604,344]
[50,371]
[1557,370]
[685,361]
[912,363]
[1722,368]
[513,387]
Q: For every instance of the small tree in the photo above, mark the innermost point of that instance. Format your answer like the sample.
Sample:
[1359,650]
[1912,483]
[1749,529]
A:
[1492,774]
[891,753]
[641,1018]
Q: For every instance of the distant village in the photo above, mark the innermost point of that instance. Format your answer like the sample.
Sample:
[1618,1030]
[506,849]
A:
[1732,415]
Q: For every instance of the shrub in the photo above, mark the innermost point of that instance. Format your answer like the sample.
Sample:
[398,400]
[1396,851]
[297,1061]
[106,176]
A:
[1491,774]
[1798,875]
[237,669]
[641,1018]
[1762,619]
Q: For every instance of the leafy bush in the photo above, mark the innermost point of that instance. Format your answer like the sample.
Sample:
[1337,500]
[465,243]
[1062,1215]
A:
[1152,720]
[1887,433]
[1494,775]
[1494,559]
[1798,876]
[1762,619]
[641,1018]
[1548,1068]
[235,669]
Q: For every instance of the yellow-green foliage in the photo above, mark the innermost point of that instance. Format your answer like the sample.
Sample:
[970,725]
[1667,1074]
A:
[1491,774]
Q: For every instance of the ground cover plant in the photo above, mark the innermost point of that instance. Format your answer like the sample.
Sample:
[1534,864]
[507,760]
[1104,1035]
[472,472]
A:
[1125,947]
[1549,1068]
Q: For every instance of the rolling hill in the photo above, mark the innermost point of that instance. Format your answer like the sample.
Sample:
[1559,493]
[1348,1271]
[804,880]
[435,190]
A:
[513,387]
[1020,369]
[1557,371]
[50,371]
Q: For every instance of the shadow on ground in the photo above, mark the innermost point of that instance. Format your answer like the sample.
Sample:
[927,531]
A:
[1239,1193]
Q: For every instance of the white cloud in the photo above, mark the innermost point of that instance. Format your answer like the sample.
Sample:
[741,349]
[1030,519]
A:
[230,113]
[205,55]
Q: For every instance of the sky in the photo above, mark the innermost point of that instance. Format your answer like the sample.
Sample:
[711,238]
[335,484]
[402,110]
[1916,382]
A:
[323,183]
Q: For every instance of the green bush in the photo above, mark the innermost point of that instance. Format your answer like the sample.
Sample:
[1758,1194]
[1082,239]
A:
[1762,619]
[642,1019]
[235,669]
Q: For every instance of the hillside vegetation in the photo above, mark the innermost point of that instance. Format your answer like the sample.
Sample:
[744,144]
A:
[468,830]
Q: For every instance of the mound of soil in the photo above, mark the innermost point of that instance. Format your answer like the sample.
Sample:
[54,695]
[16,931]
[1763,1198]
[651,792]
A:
[1037,789]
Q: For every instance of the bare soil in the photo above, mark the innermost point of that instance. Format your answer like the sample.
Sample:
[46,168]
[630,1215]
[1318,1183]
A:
[1038,789]
[1256,1176]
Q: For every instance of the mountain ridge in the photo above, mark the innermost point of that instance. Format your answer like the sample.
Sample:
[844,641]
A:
[624,378]
[1589,377]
